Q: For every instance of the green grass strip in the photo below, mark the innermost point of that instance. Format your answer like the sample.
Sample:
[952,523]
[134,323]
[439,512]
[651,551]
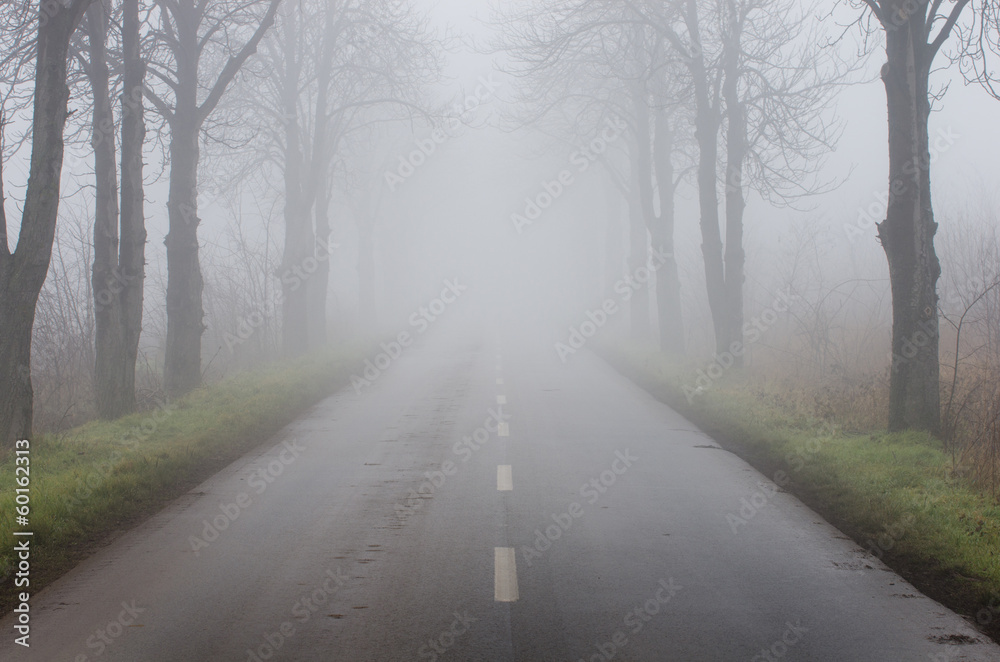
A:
[105,476]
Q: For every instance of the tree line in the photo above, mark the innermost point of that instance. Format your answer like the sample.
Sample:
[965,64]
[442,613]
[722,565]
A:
[305,83]
[737,95]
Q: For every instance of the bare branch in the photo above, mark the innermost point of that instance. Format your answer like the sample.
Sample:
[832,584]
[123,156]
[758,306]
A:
[235,62]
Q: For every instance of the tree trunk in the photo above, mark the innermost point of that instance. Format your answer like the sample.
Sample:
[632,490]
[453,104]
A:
[907,234]
[23,272]
[638,258]
[668,285]
[366,275]
[132,257]
[185,309]
[17,316]
[185,313]
[298,230]
[119,269]
[613,259]
[295,280]
[108,345]
[736,151]
[319,284]
[296,271]
[318,193]
[653,147]
[706,134]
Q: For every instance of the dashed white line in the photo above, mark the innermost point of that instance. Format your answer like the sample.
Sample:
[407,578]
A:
[505,478]
[503,429]
[501,399]
[504,574]
[500,380]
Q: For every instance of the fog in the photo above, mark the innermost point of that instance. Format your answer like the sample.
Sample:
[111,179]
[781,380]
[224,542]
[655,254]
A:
[623,231]
[452,217]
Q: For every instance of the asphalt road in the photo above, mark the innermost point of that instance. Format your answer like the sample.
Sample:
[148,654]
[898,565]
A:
[582,520]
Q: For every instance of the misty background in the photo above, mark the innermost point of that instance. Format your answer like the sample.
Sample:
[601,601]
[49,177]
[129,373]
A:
[452,216]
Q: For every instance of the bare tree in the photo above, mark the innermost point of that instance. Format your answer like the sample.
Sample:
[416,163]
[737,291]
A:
[119,229]
[583,63]
[189,37]
[331,70]
[23,271]
[915,31]
[657,108]
[743,67]
[760,80]
[364,188]
[132,241]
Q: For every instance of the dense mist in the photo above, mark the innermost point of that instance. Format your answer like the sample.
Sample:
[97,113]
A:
[689,310]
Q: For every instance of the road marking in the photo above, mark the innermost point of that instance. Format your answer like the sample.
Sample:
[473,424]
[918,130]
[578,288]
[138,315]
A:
[501,399]
[504,575]
[503,429]
[505,478]
[500,380]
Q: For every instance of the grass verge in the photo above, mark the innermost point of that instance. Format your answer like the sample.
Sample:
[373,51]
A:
[93,482]
[894,494]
